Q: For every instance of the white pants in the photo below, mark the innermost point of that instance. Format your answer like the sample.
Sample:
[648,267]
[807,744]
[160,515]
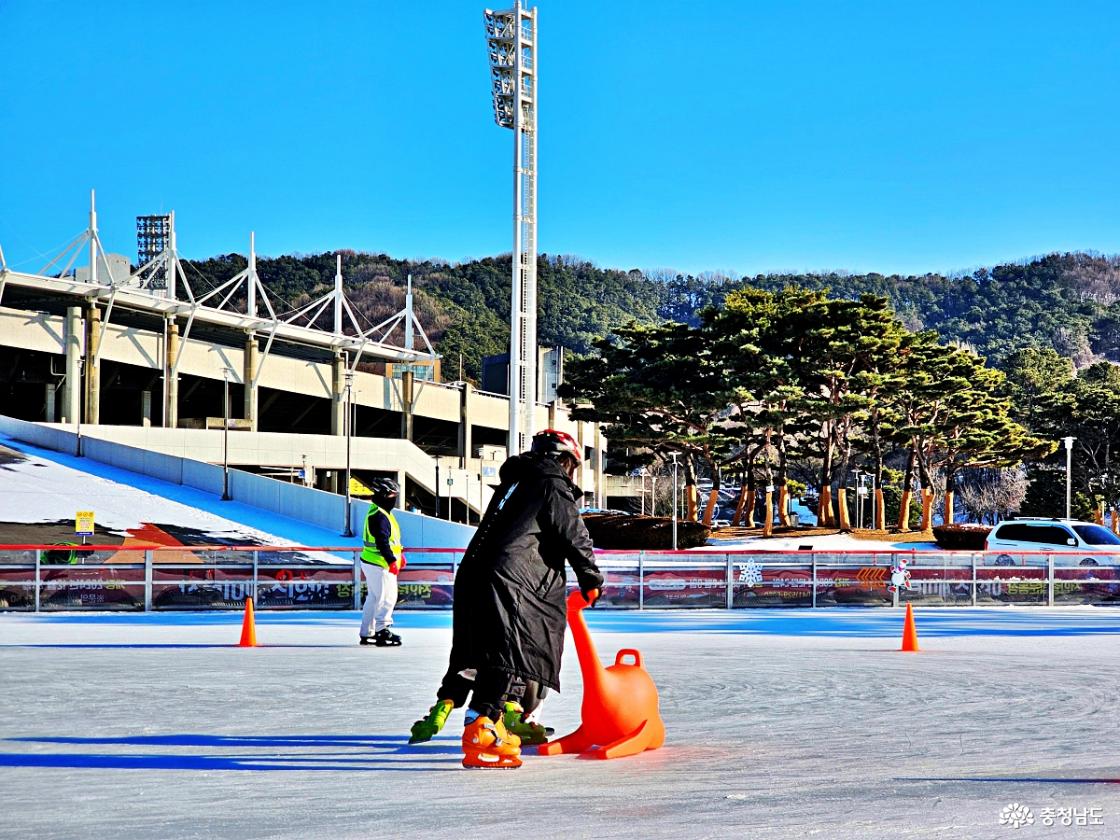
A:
[381,597]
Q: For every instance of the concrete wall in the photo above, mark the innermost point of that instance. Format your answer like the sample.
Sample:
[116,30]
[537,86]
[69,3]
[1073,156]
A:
[304,504]
[323,452]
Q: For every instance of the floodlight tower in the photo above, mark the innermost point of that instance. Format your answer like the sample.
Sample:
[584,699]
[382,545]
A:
[511,38]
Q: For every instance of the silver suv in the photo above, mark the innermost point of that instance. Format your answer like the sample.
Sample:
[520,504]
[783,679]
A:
[1052,535]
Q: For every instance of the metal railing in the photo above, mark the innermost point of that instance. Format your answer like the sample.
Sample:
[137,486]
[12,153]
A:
[136,578]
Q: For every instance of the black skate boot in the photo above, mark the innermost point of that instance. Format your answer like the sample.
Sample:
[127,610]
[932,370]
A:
[386,638]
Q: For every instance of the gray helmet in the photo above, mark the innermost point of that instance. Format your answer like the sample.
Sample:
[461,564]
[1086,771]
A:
[384,488]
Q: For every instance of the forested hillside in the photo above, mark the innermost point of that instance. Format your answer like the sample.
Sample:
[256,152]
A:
[1070,302]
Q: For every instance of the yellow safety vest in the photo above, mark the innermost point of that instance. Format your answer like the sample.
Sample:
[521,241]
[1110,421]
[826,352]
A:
[370,553]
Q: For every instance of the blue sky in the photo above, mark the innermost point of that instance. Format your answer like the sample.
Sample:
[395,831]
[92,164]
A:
[735,136]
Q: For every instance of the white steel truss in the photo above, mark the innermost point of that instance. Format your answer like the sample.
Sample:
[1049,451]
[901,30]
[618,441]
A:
[154,288]
[511,38]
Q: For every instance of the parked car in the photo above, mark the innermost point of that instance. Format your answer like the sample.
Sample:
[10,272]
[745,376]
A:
[1066,536]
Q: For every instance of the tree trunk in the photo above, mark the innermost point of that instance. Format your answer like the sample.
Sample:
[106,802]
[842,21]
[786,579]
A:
[842,508]
[907,485]
[768,513]
[904,512]
[713,497]
[690,492]
[710,507]
[927,509]
[748,512]
[737,519]
[879,522]
[948,517]
[824,507]
[1098,513]
[1115,521]
[783,506]
[783,479]
[842,491]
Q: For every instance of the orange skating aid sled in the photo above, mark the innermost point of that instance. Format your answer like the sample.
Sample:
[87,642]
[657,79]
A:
[620,709]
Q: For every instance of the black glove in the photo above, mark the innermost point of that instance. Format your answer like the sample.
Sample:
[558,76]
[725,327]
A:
[591,596]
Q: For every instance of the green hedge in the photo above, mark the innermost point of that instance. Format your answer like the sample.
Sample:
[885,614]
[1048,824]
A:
[961,537]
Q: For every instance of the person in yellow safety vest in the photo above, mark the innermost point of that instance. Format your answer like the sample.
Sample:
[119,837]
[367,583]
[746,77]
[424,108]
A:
[382,561]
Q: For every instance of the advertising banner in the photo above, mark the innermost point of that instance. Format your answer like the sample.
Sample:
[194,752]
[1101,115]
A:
[685,587]
[91,587]
[424,586]
[17,589]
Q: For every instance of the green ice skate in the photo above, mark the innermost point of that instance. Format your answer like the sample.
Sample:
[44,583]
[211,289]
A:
[530,732]
[426,728]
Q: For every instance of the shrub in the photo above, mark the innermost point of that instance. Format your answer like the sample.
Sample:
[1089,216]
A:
[961,537]
[621,531]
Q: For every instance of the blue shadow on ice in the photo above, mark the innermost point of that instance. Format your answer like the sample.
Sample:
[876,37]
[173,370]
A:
[169,645]
[364,753]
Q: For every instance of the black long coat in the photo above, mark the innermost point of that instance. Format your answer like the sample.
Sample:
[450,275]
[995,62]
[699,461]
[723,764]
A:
[510,588]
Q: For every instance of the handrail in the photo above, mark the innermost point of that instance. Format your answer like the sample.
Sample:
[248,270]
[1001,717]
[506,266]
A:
[621,551]
[639,579]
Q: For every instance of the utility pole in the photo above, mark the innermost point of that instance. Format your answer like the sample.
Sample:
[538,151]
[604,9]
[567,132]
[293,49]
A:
[225,434]
[1068,441]
[347,530]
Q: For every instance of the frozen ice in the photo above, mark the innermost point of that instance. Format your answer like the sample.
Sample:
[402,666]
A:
[780,723]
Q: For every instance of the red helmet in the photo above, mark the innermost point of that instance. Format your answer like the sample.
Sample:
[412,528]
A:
[555,442]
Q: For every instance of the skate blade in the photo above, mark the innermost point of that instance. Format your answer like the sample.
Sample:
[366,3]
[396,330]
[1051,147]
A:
[490,761]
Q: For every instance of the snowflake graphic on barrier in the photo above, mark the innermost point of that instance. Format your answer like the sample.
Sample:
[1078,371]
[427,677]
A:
[750,573]
[1016,815]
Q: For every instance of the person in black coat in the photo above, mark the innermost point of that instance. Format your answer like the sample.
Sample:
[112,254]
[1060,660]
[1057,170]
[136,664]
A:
[510,590]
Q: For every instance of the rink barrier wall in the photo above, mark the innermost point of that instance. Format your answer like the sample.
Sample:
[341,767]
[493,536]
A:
[303,504]
[141,578]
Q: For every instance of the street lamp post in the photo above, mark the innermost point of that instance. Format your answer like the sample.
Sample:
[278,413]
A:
[859,498]
[1068,441]
[225,434]
[873,498]
[642,478]
[348,531]
[674,456]
[437,488]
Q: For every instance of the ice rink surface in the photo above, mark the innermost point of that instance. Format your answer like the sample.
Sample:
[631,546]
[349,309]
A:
[781,724]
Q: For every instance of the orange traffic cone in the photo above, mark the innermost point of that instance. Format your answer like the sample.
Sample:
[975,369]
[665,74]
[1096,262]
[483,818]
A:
[621,714]
[909,632]
[248,626]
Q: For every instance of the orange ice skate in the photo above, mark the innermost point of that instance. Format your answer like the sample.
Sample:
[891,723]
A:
[487,744]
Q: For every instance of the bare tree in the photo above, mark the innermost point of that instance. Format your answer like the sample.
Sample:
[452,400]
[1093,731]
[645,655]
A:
[991,494]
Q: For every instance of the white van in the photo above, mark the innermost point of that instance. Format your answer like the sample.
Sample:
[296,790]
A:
[1053,535]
